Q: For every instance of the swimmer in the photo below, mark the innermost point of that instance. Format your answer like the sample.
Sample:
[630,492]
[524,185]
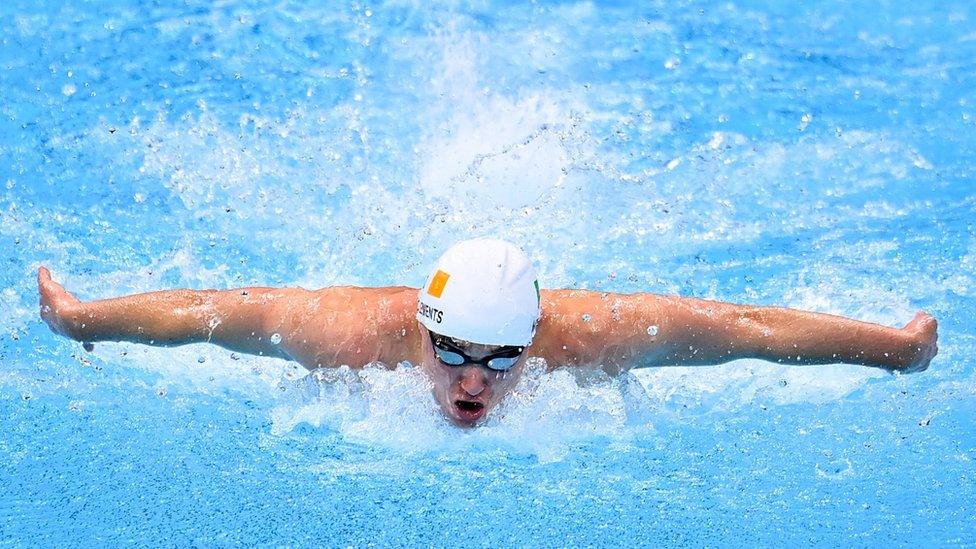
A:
[477,319]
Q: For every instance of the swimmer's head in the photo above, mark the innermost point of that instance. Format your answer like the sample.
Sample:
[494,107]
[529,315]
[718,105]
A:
[479,308]
[483,291]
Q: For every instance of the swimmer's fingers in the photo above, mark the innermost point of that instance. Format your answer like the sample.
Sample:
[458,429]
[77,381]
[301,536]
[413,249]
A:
[44,281]
[924,333]
[46,285]
[50,289]
[56,303]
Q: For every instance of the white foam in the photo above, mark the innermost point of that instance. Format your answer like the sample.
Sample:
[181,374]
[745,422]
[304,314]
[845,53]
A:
[395,409]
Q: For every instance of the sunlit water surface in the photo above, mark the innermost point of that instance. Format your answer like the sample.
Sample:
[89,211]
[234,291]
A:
[814,157]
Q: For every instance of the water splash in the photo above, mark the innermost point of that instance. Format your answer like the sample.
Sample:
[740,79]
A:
[545,414]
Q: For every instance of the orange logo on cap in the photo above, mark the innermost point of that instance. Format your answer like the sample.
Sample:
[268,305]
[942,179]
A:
[437,283]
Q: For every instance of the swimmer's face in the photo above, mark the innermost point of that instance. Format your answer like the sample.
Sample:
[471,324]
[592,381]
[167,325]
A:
[466,393]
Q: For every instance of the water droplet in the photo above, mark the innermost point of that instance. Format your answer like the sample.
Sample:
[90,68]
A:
[275,338]
[201,359]
[652,330]
[805,121]
[586,317]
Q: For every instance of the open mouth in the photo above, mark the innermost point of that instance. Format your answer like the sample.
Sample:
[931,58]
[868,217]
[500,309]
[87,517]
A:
[469,411]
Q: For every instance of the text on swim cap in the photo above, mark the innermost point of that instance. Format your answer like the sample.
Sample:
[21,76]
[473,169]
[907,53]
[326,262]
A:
[434,314]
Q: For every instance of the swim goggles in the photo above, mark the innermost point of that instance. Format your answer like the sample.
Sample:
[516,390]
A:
[501,360]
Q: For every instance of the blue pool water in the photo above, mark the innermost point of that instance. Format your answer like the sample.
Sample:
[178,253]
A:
[815,157]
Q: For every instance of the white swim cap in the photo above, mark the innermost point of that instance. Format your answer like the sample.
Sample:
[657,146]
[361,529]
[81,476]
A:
[483,291]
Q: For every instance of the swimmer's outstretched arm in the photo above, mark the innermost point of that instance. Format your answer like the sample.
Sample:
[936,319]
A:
[627,331]
[240,320]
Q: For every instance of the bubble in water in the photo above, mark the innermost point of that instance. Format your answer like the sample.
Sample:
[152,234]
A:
[586,317]
[652,330]
[201,359]
[275,338]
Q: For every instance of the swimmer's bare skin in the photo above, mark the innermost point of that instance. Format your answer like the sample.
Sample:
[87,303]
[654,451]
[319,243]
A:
[357,326]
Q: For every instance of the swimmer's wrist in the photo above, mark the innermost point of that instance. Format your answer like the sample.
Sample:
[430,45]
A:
[81,323]
[75,321]
[890,349]
[908,346]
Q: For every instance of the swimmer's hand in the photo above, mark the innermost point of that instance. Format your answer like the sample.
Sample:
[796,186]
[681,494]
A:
[59,308]
[923,334]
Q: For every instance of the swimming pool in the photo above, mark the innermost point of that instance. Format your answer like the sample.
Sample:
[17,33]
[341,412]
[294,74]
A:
[815,157]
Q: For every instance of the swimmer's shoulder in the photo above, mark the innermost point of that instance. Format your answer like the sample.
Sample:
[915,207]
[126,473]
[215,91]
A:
[356,325]
[586,327]
[388,304]
[570,327]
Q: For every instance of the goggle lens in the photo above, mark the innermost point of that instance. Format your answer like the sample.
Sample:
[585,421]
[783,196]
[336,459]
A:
[448,357]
